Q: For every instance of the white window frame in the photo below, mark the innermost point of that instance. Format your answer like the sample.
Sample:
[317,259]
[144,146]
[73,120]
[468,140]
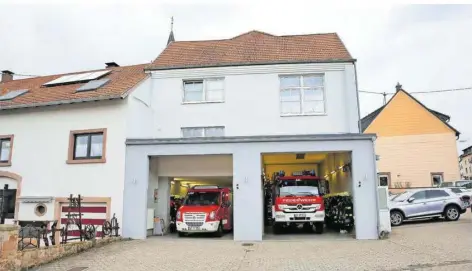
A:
[203,131]
[437,174]
[302,94]
[205,90]
[384,174]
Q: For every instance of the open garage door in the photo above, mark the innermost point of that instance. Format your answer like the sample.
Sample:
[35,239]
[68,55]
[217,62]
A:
[191,195]
[142,176]
[308,193]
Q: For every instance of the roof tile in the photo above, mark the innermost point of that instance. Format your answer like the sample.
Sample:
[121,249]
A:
[252,48]
[122,79]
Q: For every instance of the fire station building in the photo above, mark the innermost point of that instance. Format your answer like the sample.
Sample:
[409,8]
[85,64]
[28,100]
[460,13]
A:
[235,112]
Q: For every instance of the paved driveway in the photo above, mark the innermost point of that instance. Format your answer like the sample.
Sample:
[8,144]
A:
[419,246]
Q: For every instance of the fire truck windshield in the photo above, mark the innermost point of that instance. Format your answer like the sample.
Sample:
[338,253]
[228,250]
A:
[202,198]
[299,187]
[299,191]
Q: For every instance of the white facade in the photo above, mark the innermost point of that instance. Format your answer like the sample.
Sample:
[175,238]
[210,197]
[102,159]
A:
[40,151]
[249,107]
[156,110]
[251,103]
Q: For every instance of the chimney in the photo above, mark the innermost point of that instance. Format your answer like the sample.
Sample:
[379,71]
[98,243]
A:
[398,87]
[6,76]
[111,65]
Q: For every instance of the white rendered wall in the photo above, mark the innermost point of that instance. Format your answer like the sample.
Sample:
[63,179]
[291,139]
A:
[247,181]
[251,104]
[41,144]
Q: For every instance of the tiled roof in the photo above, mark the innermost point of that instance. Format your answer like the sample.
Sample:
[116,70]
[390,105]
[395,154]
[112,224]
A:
[122,80]
[253,48]
[367,120]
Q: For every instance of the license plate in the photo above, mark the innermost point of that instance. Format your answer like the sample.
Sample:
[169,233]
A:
[300,215]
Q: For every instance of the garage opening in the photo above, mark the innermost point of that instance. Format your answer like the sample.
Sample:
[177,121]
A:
[190,196]
[307,195]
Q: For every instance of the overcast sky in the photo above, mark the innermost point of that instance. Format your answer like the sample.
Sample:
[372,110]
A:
[422,47]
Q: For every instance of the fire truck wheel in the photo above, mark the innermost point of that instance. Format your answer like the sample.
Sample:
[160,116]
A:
[307,227]
[219,232]
[276,228]
[319,227]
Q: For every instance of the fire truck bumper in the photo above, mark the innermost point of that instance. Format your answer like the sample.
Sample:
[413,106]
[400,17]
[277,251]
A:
[206,227]
[318,216]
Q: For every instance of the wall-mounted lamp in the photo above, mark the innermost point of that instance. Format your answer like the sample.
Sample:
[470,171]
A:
[172,182]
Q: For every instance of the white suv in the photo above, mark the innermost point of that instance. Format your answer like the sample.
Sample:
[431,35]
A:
[427,203]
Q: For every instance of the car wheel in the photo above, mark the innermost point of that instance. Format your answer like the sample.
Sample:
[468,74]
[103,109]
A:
[452,213]
[219,231]
[319,227]
[396,218]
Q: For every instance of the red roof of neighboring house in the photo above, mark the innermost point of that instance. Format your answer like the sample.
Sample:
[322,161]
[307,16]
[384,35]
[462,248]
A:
[253,48]
[122,80]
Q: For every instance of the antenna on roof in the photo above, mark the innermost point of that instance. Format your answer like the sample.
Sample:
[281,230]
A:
[171,34]
[398,87]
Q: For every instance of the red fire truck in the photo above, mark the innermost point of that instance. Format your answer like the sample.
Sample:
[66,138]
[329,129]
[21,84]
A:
[206,209]
[299,201]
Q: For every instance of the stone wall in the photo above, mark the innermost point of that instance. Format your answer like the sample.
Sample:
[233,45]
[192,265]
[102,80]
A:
[12,259]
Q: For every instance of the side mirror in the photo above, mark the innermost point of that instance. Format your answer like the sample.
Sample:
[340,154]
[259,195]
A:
[410,200]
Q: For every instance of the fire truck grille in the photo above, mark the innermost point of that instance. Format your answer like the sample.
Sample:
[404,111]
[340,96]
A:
[194,219]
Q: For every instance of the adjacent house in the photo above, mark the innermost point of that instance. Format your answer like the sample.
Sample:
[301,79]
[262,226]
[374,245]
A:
[416,145]
[465,163]
[64,134]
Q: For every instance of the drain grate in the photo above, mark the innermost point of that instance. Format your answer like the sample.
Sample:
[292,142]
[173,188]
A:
[77,269]
[247,244]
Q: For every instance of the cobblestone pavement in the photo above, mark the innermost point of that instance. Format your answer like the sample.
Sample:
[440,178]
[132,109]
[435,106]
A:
[417,246]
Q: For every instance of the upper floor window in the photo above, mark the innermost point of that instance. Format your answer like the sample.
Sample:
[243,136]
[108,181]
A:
[87,146]
[302,95]
[206,90]
[203,131]
[6,146]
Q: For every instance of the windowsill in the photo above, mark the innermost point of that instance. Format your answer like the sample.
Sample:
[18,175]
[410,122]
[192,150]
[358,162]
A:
[5,164]
[204,102]
[86,161]
[304,115]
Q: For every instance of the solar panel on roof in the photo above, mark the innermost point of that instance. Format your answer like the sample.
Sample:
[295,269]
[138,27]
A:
[93,85]
[95,75]
[13,94]
[73,78]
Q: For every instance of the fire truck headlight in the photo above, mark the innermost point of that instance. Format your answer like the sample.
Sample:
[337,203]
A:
[212,215]
[178,215]
[317,206]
